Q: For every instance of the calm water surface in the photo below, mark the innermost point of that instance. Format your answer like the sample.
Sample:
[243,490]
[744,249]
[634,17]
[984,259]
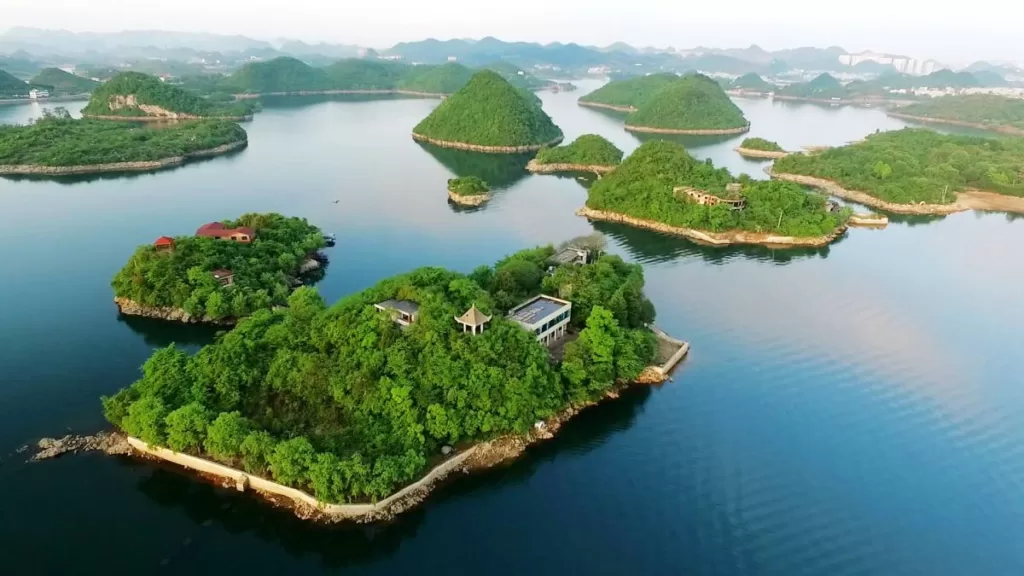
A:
[853,410]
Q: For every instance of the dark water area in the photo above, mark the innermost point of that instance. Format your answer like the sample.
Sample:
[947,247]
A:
[848,410]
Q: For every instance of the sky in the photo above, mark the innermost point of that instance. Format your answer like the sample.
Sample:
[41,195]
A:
[940,29]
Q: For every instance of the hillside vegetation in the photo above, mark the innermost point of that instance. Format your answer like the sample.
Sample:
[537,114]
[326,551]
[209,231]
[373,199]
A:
[61,82]
[342,402]
[277,75]
[642,187]
[761,144]
[694,102]
[752,82]
[489,111]
[991,111]
[916,165]
[126,94]
[589,150]
[824,87]
[11,86]
[631,91]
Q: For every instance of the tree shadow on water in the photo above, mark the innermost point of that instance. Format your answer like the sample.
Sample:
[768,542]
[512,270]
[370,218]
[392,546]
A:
[498,170]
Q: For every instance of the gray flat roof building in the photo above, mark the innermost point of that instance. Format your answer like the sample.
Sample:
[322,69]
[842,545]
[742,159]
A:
[404,311]
[545,316]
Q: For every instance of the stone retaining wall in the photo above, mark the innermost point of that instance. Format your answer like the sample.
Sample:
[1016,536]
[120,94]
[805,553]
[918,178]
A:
[142,166]
[130,307]
[606,106]
[693,132]
[752,153]
[538,168]
[486,149]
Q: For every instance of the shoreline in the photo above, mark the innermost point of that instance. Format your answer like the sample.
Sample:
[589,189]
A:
[1002,129]
[693,131]
[967,200]
[139,166]
[129,307]
[474,200]
[175,118]
[767,154]
[477,457]
[486,149]
[381,92]
[538,168]
[606,106]
[714,238]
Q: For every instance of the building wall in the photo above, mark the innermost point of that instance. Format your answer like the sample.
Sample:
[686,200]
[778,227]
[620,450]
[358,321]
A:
[553,327]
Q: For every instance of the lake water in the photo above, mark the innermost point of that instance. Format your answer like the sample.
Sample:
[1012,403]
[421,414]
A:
[851,410]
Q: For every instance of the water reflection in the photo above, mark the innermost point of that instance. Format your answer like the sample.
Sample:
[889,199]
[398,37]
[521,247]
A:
[294,102]
[127,175]
[160,333]
[690,141]
[498,170]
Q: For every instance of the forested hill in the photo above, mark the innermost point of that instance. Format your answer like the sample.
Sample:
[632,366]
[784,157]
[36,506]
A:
[12,86]
[587,150]
[61,82]
[694,102]
[751,82]
[989,111]
[489,111]
[134,95]
[631,92]
[344,403]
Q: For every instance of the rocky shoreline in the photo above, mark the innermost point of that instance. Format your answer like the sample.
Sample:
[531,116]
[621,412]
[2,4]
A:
[834,189]
[171,118]
[692,132]
[113,443]
[486,149]
[606,106]
[474,200]
[538,168]
[752,153]
[383,92]
[714,238]
[130,307]
[1013,130]
[141,166]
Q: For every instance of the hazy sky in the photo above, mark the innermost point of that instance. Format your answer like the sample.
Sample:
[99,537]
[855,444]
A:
[939,29]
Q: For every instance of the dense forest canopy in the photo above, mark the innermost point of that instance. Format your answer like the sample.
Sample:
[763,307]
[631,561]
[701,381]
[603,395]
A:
[589,150]
[263,270]
[443,79]
[825,86]
[643,187]
[110,99]
[694,102]
[917,165]
[752,82]
[468,186]
[277,75]
[631,91]
[58,140]
[61,82]
[489,111]
[12,86]
[344,403]
[992,111]
[761,144]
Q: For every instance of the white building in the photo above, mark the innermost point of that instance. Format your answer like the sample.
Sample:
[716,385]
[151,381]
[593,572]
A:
[35,94]
[545,316]
[902,64]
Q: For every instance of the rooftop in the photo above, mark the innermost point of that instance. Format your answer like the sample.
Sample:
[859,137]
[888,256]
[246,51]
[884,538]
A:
[221,273]
[535,310]
[568,255]
[410,308]
[473,317]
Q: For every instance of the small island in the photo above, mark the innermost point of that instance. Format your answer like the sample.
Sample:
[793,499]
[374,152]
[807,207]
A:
[761,148]
[468,191]
[916,171]
[59,83]
[57,145]
[661,187]
[141,97]
[355,411]
[982,111]
[824,88]
[224,272]
[694,104]
[627,95]
[750,84]
[588,153]
[489,115]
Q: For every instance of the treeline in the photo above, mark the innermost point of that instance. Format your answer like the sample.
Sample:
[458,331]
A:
[112,99]
[58,82]
[343,402]
[917,165]
[642,187]
[761,144]
[589,149]
[630,91]
[693,102]
[264,270]
[992,111]
[58,140]
[468,186]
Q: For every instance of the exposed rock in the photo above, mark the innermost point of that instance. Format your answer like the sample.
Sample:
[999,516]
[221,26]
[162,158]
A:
[133,308]
[446,450]
[538,168]
[107,442]
[752,153]
[486,149]
[474,200]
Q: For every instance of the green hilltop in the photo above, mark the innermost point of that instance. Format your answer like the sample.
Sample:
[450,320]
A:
[278,75]
[589,150]
[989,111]
[630,92]
[11,85]
[751,81]
[125,94]
[489,111]
[61,82]
[694,102]
[443,79]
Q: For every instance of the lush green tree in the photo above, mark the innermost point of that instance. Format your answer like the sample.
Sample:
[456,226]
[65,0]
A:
[986,110]
[588,150]
[630,92]
[126,93]
[186,427]
[257,449]
[761,144]
[146,420]
[225,435]
[694,102]
[468,186]
[291,459]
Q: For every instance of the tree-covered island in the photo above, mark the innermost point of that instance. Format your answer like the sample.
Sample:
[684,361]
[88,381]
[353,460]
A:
[137,96]
[917,171]
[629,94]
[693,104]
[489,115]
[354,400]
[61,83]
[661,187]
[588,153]
[226,271]
[57,145]
[468,191]
[982,111]
[761,148]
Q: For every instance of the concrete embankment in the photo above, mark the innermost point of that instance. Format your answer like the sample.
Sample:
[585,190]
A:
[486,149]
[606,106]
[143,166]
[691,132]
[1003,129]
[169,118]
[132,308]
[538,168]
[714,238]
[248,96]
[474,200]
[868,220]
[752,153]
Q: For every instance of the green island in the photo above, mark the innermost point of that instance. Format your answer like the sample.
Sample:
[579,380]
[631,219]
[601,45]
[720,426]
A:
[56,144]
[761,148]
[61,83]
[627,95]
[694,104]
[823,87]
[588,153]
[982,111]
[12,87]
[226,271]
[752,82]
[137,96]
[661,187]
[917,171]
[354,400]
[489,115]
[468,190]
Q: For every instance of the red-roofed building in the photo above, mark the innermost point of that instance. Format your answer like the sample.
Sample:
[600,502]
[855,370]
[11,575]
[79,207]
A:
[225,277]
[217,230]
[164,244]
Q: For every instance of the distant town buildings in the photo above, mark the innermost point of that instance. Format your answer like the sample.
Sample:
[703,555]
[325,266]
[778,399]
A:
[36,94]
[902,64]
[453,58]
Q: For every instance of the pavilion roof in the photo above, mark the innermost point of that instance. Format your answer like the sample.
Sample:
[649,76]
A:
[473,317]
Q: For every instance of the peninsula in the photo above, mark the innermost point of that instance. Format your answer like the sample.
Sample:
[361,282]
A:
[141,97]
[694,104]
[489,115]
[224,272]
[761,148]
[588,153]
[337,408]
[468,191]
[661,187]
[57,145]
[981,111]
[917,171]
[627,95]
